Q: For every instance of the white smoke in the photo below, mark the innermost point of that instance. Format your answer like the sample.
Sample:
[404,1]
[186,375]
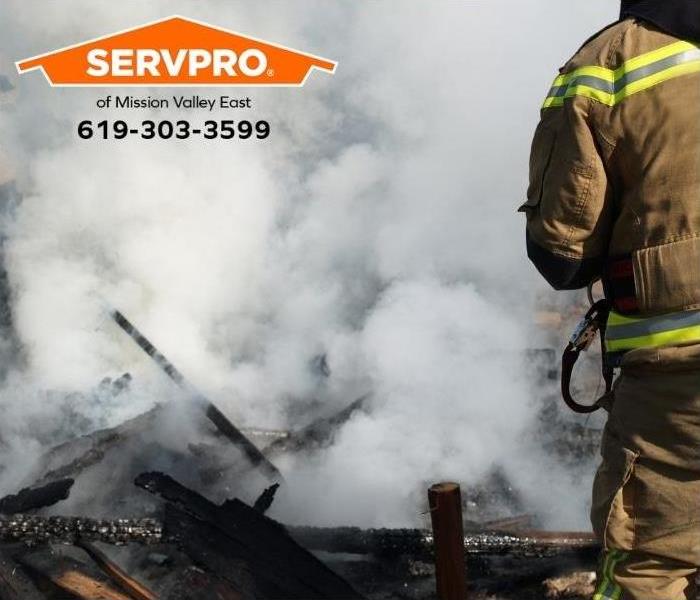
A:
[375,226]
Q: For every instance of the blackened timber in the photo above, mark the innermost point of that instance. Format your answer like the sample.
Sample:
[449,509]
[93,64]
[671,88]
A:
[33,530]
[418,543]
[92,448]
[134,588]
[214,552]
[218,418]
[38,497]
[265,500]
[14,582]
[317,433]
[280,566]
[72,577]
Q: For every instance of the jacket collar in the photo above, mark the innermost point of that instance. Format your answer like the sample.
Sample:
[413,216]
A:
[680,18]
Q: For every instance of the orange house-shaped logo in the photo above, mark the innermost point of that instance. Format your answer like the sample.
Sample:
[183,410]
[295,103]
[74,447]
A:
[176,52]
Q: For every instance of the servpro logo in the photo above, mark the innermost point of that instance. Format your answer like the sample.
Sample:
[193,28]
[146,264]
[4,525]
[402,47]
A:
[176,51]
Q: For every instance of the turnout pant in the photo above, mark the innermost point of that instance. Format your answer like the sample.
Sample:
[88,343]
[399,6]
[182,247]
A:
[646,493]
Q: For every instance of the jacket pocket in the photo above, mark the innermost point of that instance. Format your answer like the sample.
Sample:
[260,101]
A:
[662,277]
[613,504]
[540,158]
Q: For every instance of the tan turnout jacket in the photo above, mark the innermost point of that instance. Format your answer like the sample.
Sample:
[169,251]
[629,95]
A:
[615,171]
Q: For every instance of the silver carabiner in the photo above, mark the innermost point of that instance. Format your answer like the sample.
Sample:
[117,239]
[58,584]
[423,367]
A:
[584,334]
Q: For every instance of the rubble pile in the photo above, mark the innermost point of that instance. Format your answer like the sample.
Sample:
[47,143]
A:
[145,510]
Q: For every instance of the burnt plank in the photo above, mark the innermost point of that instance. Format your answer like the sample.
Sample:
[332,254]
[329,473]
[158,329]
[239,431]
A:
[72,576]
[276,560]
[37,497]
[71,458]
[219,555]
[318,433]
[134,588]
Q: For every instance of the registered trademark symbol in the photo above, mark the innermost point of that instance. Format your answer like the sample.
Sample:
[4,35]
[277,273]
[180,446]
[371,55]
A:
[270,72]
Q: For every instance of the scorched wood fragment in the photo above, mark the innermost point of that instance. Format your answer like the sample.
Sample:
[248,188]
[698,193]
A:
[14,583]
[316,434]
[134,588]
[281,568]
[73,457]
[74,577]
[39,497]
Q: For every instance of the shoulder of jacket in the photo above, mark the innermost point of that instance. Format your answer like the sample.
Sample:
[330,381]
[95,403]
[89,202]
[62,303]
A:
[601,48]
[617,43]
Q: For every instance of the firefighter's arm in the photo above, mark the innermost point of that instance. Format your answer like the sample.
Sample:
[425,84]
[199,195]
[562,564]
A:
[568,205]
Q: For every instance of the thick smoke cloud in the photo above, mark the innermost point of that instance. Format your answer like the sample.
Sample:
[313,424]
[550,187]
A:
[376,226]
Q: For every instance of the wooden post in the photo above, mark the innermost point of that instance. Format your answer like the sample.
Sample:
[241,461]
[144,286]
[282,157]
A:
[445,502]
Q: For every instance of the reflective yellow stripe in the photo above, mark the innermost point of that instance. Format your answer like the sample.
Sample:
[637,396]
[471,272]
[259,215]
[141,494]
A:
[628,333]
[593,70]
[652,80]
[664,338]
[607,588]
[655,55]
[640,73]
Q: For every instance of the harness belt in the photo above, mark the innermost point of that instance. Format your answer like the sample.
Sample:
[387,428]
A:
[619,334]
[621,327]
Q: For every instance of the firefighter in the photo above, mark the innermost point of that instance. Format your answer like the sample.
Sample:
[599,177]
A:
[614,193]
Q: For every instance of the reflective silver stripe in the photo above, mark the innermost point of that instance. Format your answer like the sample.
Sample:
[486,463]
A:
[590,81]
[656,67]
[557,90]
[653,325]
[622,80]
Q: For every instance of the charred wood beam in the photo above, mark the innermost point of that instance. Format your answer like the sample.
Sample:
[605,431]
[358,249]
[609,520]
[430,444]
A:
[222,423]
[215,553]
[135,589]
[32,530]
[317,433]
[94,446]
[281,568]
[14,582]
[38,497]
[418,543]
[265,500]
[72,577]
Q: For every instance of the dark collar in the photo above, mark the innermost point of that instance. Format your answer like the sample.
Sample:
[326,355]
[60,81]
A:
[680,18]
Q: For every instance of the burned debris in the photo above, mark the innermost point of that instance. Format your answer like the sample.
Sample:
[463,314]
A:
[228,429]
[31,498]
[121,514]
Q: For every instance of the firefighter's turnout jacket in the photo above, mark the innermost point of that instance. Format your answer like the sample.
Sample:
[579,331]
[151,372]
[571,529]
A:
[615,183]
[615,193]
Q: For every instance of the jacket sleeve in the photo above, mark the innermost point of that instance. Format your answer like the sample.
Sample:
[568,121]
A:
[569,199]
